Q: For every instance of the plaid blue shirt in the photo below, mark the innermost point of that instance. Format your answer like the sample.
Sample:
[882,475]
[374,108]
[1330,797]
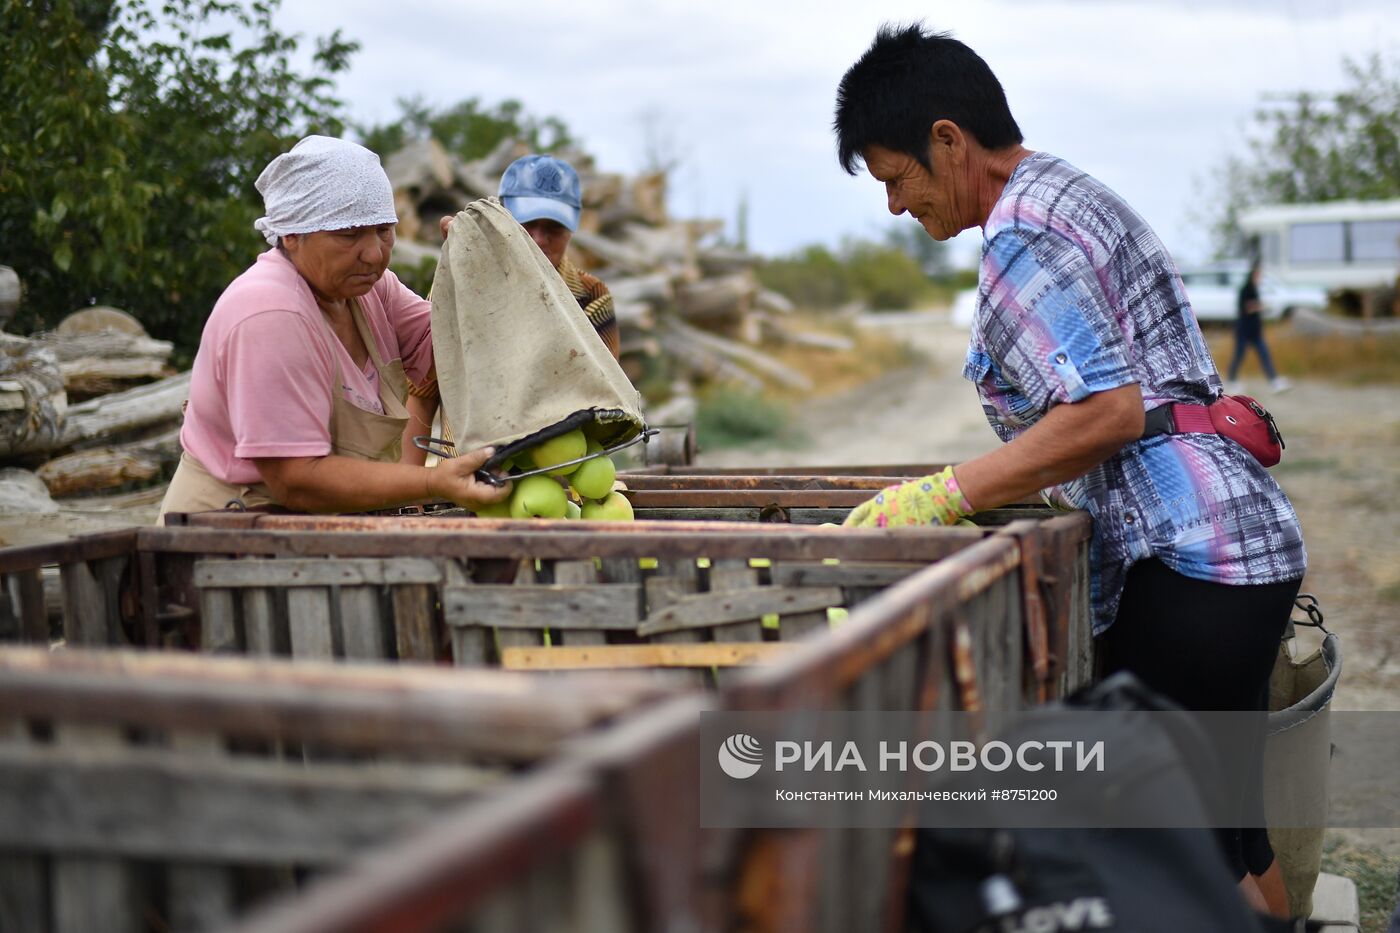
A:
[1077,295]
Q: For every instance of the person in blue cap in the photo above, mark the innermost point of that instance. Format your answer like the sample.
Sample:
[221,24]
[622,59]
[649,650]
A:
[542,192]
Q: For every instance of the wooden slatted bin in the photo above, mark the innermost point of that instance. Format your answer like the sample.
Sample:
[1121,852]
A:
[957,635]
[935,620]
[170,791]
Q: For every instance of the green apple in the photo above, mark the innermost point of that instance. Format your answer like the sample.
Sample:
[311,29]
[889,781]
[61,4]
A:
[560,449]
[538,497]
[572,510]
[615,508]
[594,478]
[494,510]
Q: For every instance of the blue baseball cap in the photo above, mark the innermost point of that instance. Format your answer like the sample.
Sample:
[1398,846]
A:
[541,187]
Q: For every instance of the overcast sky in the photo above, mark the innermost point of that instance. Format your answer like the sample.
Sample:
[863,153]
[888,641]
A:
[1147,95]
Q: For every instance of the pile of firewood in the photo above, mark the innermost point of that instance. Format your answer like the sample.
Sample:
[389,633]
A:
[682,298]
[78,405]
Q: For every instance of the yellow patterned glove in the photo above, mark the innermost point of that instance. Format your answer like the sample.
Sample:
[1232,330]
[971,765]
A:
[931,500]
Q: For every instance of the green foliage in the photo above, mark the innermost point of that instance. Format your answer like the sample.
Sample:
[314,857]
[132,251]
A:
[469,128]
[885,277]
[1318,148]
[729,417]
[133,134]
[812,278]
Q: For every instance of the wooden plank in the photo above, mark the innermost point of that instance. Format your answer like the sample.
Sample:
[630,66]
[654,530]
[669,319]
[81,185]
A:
[597,606]
[864,573]
[732,576]
[709,654]
[154,804]
[472,642]
[364,636]
[444,537]
[85,619]
[309,623]
[467,860]
[675,579]
[24,902]
[90,891]
[24,880]
[704,610]
[601,894]
[26,591]
[415,628]
[380,709]
[527,575]
[263,632]
[201,896]
[317,572]
[218,626]
[565,630]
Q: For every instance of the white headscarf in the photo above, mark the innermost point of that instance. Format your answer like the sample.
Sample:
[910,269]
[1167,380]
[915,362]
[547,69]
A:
[324,184]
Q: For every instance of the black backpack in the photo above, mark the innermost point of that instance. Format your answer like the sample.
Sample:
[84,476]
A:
[1090,880]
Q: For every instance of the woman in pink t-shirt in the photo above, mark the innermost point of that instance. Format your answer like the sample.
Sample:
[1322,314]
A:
[299,389]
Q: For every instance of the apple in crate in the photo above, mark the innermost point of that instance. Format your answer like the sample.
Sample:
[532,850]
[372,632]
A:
[615,508]
[538,497]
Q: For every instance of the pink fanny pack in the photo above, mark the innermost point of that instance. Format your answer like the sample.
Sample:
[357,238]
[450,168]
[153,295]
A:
[1238,417]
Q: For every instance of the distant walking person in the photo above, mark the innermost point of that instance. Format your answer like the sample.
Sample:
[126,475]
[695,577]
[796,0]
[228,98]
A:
[1249,331]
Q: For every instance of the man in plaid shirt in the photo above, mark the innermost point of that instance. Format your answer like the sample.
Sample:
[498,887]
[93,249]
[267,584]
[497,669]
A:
[1082,326]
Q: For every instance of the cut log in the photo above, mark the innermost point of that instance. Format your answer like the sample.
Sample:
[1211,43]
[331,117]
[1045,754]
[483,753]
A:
[97,363]
[652,289]
[10,293]
[634,315]
[103,468]
[779,332]
[670,246]
[725,298]
[100,319]
[32,398]
[780,373]
[105,344]
[421,165]
[705,363]
[769,300]
[121,412]
[626,259]
[725,260]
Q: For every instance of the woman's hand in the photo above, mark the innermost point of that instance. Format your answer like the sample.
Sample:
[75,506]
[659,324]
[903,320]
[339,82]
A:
[455,480]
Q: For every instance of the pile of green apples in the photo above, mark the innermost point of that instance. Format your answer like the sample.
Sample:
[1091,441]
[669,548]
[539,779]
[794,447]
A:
[590,494]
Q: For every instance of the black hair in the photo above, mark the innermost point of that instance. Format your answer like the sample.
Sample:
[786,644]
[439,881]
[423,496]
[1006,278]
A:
[909,79]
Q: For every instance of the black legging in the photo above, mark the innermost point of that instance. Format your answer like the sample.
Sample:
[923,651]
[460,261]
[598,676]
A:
[1207,646]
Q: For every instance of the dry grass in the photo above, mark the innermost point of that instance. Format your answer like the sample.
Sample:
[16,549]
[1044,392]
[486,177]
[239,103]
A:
[832,371]
[1355,361]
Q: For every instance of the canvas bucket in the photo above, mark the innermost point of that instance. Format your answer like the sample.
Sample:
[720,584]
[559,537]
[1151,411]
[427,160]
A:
[1297,754]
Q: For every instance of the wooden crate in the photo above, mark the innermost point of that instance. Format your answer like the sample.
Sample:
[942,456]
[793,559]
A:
[170,791]
[699,597]
[957,635]
[606,835]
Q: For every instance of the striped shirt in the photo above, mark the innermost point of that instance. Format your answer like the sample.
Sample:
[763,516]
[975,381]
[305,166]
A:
[1076,295]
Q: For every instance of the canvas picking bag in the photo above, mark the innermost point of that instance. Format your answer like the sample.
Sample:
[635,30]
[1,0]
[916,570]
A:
[518,362]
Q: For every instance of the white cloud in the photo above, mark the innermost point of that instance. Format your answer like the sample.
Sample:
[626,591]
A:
[1147,95]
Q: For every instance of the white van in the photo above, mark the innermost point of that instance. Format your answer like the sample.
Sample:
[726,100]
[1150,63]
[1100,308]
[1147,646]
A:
[1333,245]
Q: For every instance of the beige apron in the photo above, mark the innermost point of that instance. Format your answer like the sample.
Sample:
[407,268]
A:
[355,432]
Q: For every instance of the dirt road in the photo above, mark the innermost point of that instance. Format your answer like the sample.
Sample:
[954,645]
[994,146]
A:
[1341,469]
